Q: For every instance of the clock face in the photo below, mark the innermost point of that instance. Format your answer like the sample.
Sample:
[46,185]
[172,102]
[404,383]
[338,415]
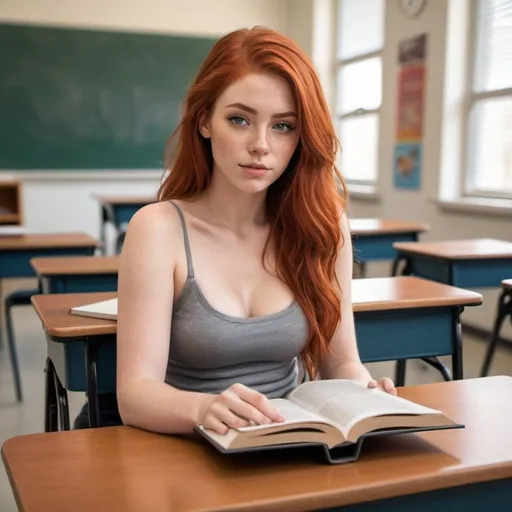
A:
[412,8]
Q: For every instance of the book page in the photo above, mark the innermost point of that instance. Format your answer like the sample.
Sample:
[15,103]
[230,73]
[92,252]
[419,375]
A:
[347,402]
[291,412]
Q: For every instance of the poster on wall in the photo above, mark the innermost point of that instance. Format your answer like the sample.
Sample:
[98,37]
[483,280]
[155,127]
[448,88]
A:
[407,161]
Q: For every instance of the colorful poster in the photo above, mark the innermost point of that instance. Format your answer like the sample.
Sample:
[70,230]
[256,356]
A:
[411,90]
[407,166]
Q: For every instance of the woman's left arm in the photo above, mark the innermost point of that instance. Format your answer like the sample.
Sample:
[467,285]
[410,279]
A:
[343,361]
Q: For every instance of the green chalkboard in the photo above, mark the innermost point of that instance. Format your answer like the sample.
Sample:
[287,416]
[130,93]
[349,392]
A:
[87,99]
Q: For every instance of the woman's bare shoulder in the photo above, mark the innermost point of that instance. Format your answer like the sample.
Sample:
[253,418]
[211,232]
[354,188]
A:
[154,225]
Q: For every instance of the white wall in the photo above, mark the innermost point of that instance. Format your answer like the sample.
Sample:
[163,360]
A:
[198,17]
[419,205]
[62,201]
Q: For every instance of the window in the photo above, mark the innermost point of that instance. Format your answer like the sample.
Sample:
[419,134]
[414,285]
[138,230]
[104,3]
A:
[489,153]
[360,39]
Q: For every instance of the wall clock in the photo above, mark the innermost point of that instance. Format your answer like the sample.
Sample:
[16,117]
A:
[411,8]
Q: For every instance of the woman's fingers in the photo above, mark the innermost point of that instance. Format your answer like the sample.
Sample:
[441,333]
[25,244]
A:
[260,406]
[385,383]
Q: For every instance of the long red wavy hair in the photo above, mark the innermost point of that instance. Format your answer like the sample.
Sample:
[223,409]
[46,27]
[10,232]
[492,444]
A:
[305,204]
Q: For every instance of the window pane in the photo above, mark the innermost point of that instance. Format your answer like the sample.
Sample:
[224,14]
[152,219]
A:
[360,27]
[491,147]
[359,147]
[360,85]
[494,57]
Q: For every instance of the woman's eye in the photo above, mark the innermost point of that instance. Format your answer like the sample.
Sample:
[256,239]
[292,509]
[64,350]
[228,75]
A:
[237,120]
[283,127]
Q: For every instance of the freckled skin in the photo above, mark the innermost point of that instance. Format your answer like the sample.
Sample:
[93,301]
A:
[239,137]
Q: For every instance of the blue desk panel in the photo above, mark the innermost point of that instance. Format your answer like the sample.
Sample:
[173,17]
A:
[378,247]
[80,283]
[494,495]
[470,273]
[17,263]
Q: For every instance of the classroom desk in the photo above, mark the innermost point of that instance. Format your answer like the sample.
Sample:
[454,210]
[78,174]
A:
[118,210]
[373,239]
[396,318]
[17,251]
[474,263]
[77,274]
[477,263]
[15,255]
[123,468]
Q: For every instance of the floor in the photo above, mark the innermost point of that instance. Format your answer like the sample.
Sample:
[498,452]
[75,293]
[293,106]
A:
[27,417]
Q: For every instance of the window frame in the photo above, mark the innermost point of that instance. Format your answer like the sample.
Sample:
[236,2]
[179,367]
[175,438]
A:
[339,64]
[474,97]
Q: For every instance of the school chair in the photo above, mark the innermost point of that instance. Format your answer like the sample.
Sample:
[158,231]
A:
[17,298]
[504,311]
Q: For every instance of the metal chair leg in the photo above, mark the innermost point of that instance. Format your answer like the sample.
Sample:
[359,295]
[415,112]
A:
[13,354]
[501,314]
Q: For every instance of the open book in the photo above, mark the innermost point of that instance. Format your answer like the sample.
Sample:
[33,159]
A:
[332,413]
[106,309]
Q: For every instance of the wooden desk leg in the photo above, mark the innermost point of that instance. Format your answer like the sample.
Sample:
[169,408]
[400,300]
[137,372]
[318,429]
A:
[91,352]
[50,407]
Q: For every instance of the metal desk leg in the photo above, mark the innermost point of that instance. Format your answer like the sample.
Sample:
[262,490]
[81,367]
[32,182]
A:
[50,407]
[439,366]
[91,353]
[103,236]
[457,364]
[62,401]
[400,372]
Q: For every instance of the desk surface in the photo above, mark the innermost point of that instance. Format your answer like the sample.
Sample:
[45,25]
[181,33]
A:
[478,248]
[125,200]
[75,265]
[376,294]
[123,468]
[362,227]
[44,241]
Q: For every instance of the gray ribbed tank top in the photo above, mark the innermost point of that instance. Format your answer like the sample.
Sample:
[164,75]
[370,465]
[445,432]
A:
[210,351]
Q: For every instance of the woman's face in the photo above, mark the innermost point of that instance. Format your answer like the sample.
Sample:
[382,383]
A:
[253,131]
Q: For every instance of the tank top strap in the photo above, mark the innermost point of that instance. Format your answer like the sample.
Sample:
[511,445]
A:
[190,266]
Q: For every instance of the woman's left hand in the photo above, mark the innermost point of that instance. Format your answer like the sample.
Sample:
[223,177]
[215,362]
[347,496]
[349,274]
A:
[386,384]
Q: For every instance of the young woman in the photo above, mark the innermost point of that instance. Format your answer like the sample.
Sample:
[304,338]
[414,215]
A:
[241,274]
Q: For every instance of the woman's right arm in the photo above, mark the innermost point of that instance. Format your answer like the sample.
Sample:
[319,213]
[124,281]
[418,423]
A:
[145,302]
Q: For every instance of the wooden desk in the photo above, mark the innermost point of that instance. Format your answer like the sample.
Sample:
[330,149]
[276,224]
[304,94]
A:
[122,468]
[17,251]
[118,210]
[77,274]
[482,262]
[15,255]
[373,239]
[396,318]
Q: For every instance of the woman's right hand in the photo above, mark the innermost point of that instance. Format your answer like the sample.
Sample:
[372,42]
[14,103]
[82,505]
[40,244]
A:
[238,406]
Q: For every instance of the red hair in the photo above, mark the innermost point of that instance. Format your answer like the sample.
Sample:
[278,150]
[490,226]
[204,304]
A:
[304,205]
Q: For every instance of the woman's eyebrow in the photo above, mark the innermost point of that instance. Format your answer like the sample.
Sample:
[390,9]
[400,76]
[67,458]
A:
[241,106]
